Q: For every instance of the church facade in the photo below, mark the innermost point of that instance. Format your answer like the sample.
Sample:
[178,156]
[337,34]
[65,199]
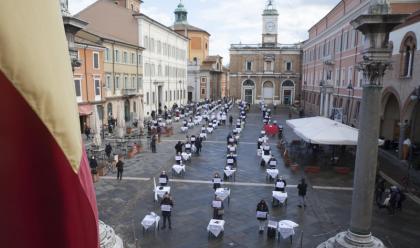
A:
[268,71]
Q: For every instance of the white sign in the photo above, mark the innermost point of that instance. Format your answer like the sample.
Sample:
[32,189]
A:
[230,161]
[217,204]
[217,180]
[166,208]
[162,180]
[261,214]
[280,185]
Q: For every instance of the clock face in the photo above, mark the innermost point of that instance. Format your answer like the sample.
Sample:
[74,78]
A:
[270,26]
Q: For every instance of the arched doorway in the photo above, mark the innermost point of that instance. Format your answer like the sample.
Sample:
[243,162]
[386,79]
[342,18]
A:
[287,92]
[127,110]
[248,88]
[268,92]
[390,129]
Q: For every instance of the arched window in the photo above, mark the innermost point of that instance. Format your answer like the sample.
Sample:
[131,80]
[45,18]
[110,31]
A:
[407,51]
[288,83]
[248,83]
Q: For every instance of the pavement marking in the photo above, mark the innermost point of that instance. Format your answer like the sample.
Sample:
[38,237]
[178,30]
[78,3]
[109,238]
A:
[176,180]
[215,141]
[127,178]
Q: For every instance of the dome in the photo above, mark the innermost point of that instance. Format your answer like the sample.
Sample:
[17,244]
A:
[270,9]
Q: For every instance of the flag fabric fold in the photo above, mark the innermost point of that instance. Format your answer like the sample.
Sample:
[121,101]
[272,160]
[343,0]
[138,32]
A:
[48,198]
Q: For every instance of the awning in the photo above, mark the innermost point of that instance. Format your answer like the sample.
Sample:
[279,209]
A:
[85,109]
[324,131]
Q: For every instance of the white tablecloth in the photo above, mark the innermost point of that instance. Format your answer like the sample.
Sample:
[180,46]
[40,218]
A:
[161,192]
[228,172]
[273,172]
[265,157]
[222,193]
[178,168]
[280,196]
[186,156]
[286,228]
[150,220]
[216,227]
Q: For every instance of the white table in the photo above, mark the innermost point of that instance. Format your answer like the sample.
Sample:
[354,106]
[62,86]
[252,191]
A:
[178,168]
[150,220]
[280,196]
[215,227]
[286,229]
[186,156]
[223,193]
[161,192]
[272,173]
[230,173]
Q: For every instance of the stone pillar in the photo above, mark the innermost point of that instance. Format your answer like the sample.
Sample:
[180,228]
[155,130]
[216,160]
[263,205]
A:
[376,26]
[321,103]
[367,158]
[403,126]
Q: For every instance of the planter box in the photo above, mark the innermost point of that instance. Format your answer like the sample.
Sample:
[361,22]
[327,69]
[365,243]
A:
[342,170]
[312,169]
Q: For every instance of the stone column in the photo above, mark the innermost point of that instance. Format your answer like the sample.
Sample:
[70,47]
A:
[376,27]
[403,126]
[367,158]
[321,102]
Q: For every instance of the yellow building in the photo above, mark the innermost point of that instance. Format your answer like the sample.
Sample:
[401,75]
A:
[198,48]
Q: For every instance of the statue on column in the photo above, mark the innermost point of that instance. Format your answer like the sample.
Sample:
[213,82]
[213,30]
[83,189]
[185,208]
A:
[379,7]
[64,4]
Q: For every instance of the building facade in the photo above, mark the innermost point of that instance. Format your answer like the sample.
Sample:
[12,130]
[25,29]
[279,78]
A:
[269,72]
[400,108]
[122,59]
[331,81]
[165,64]
[205,73]
[88,78]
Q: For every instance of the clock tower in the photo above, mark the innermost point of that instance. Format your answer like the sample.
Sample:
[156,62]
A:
[270,21]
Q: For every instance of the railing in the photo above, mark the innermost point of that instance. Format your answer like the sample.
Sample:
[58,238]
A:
[253,46]
[129,92]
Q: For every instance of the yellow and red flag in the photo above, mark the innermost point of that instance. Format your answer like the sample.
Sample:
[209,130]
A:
[47,196]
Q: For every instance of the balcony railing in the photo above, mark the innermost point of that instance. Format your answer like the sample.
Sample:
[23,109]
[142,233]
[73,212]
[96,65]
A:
[129,92]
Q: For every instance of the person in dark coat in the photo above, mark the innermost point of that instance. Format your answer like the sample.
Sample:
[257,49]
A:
[198,145]
[302,187]
[217,181]
[108,150]
[93,163]
[280,184]
[166,206]
[153,144]
[218,212]
[230,120]
[164,175]
[261,209]
[120,168]
[178,147]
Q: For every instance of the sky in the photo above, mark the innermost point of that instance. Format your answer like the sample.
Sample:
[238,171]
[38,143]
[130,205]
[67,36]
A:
[235,21]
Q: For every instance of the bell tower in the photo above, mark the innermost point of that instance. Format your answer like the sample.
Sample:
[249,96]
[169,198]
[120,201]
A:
[181,14]
[270,21]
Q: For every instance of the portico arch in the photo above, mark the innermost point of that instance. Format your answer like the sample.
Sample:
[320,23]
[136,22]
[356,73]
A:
[390,129]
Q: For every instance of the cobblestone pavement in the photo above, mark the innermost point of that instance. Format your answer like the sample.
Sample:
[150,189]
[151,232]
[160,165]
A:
[123,204]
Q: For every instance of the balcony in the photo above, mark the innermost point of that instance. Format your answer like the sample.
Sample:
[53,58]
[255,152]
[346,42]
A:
[129,92]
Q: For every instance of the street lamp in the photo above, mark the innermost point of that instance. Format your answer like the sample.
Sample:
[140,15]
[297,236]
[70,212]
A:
[349,88]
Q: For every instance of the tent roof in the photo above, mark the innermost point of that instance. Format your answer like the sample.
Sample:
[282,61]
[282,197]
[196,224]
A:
[324,131]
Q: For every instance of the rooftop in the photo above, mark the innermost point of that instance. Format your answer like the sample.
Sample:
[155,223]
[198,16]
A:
[260,46]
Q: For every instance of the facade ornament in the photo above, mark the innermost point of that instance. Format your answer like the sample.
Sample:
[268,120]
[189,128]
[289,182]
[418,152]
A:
[373,71]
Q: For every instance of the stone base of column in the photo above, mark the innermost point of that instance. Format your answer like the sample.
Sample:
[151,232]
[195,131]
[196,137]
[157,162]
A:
[352,240]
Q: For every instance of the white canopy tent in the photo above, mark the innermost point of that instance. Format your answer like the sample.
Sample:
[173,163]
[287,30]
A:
[323,131]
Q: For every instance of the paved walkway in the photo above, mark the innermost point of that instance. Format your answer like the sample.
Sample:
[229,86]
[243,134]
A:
[122,204]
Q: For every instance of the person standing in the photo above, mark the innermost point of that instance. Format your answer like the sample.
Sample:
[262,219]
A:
[302,187]
[230,120]
[218,208]
[87,131]
[108,150]
[280,184]
[178,147]
[163,179]
[262,212]
[217,181]
[159,132]
[120,168]
[198,145]
[166,207]
[153,143]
